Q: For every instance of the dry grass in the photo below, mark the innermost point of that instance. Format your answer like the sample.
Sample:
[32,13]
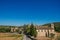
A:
[43,38]
[9,36]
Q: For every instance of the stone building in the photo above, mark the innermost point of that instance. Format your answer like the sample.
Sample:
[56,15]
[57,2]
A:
[45,30]
[16,29]
[41,30]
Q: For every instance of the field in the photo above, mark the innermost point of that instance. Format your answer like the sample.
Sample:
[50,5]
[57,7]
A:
[10,36]
[43,38]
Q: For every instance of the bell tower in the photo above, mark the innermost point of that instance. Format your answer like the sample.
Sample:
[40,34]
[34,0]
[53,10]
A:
[52,25]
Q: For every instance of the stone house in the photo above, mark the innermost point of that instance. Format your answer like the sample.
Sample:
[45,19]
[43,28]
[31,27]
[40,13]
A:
[45,30]
[16,29]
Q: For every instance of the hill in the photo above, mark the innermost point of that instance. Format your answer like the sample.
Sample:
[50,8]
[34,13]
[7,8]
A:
[57,26]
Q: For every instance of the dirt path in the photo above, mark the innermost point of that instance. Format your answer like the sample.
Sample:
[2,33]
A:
[26,38]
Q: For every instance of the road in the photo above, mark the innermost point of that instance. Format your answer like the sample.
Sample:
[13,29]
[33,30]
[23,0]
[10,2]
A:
[26,38]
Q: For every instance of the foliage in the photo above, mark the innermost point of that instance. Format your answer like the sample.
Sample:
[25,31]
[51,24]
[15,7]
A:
[58,38]
[48,24]
[56,26]
[30,30]
[17,30]
[33,31]
[26,29]
[4,29]
[52,36]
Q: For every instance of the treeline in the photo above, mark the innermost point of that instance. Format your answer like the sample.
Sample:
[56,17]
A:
[56,26]
[5,28]
[27,28]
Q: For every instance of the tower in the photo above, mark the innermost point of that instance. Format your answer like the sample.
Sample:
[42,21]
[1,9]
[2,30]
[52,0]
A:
[12,29]
[52,25]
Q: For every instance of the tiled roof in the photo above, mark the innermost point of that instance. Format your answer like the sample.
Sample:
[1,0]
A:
[43,27]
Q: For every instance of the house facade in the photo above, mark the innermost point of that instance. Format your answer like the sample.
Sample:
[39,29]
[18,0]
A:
[45,30]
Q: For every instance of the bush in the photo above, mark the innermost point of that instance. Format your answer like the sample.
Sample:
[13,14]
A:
[4,29]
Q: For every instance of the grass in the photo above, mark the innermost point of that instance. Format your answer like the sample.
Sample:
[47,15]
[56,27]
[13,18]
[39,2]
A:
[9,36]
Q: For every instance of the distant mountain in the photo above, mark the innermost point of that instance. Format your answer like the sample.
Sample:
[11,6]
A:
[57,26]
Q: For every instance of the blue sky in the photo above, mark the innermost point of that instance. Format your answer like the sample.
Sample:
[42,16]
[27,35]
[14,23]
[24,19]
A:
[19,12]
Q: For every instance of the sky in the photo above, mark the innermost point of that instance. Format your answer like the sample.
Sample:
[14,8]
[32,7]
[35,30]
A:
[20,12]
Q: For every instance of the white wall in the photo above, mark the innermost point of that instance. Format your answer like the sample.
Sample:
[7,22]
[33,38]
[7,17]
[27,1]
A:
[41,33]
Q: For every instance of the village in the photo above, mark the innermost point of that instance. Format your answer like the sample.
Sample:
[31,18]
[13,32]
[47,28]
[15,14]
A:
[29,19]
[43,32]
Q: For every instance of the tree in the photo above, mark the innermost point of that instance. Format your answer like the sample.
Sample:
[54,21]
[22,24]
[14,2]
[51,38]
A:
[33,31]
[52,36]
[27,29]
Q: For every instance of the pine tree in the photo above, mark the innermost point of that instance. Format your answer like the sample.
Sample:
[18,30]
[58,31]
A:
[33,31]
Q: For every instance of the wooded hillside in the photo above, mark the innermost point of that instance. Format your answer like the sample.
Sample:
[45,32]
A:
[57,26]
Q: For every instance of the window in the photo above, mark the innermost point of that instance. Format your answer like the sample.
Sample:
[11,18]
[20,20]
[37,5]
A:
[41,30]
